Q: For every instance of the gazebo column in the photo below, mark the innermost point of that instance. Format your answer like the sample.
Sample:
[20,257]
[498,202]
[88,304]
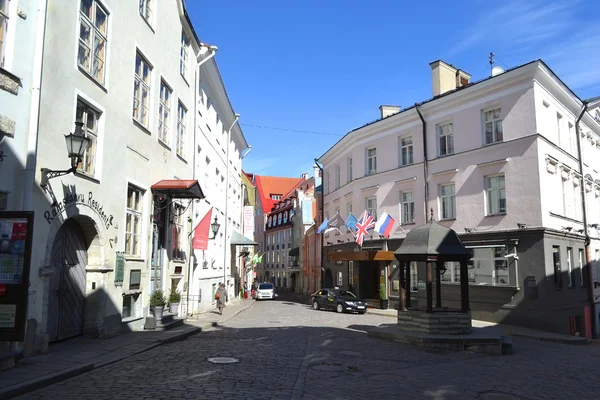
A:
[408,284]
[428,285]
[464,287]
[402,300]
[438,284]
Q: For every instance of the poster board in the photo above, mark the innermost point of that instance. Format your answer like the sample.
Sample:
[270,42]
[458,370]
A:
[16,235]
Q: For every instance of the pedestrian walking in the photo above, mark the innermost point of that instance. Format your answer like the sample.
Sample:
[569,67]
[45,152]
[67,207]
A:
[221,297]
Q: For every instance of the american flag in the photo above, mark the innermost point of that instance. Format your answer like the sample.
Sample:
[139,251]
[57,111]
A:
[365,224]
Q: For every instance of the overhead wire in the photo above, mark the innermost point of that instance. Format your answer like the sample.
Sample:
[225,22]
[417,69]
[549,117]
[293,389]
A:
[291,130]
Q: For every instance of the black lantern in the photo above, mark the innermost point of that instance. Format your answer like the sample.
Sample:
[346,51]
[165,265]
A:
[77,144]
[215,227]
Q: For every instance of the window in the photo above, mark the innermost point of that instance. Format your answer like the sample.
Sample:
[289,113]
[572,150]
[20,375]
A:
[135,279]
[496,195]
[181,113]
[350,169]
[131,306]
[558,125]
[572,139]
[446,139]
[141,90]
[3,28]
[557,271]
[577,213]
[371,206]
[407,208]
[371,161]
[489,266]
[447,201]
[177,239]
[570,271]
[349,208]
[493,126]
[92,39]
[146,10]
[338,177]
[452,274]
[89,117]
[340,279]
[406,151]
[133,221]
[164,110]
[183,55]
[581,267]
[414,277]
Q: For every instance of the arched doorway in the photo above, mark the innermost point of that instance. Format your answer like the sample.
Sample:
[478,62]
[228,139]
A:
[67,285]
[328,280]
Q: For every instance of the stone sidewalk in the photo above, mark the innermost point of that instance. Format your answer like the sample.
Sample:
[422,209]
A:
[516,331]
[76,356]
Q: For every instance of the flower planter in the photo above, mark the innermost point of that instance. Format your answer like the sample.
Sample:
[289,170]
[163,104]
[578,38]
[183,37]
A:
[174,308]
[383,304]
[158,312]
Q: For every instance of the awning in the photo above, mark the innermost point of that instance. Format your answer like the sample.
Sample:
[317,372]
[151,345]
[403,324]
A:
[239,240]
[179,189]
[363,255]
[294,252]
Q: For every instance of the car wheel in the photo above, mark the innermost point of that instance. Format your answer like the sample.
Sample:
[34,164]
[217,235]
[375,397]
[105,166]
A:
[340,308]
[315,305]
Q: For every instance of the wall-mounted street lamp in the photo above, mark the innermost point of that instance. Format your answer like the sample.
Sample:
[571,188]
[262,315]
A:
[214,227]
[77,144]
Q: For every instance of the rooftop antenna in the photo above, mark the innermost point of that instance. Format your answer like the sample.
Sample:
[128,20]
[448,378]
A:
[492,61]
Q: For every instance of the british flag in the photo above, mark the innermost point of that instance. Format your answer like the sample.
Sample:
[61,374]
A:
[366,223]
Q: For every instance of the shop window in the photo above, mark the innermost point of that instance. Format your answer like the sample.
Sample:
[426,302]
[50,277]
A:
[489,266]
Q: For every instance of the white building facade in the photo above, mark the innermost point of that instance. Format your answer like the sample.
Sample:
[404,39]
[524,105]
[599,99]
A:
[496,161]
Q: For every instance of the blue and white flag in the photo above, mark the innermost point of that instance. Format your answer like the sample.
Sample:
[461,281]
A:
[323,226]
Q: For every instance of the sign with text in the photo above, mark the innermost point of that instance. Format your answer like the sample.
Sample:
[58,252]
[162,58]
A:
[249,222]
[16,234]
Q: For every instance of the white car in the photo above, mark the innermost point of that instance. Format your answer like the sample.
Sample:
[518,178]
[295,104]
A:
[265,291]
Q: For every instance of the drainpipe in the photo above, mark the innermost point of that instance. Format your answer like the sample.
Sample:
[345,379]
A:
[425,162]
[237,118]
[246,153]
[588,256]
[322,219]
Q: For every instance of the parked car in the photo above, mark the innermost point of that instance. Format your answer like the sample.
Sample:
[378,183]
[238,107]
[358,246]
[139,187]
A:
[265,290]
[339,300]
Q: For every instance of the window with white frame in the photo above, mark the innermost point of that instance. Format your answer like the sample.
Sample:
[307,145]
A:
[558,128]
[349,208]
[340,279]
[572,139]
[133,221]
[371,206]
[447,205]
[141,90]
[496,195]
[3,28]
[93,23]
[493,126]
[326,182]
[146,10]
[446,139]
[577,214]
[89,116]
[570,266]
[406,151]
[181,114]
[338,176]
[183,55]
[407,208]
[349,170]
[177,236]
[164,111]
[581,266]
[371,161]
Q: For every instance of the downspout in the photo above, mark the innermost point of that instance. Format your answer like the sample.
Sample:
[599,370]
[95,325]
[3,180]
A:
[246,153]
[322,219]
[588,256]
[425,162]
[35,111]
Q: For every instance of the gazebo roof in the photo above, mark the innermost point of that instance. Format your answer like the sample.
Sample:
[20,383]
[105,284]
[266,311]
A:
[432,241]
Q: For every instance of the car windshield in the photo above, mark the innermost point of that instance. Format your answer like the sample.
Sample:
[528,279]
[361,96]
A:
[265,286]
[344,293]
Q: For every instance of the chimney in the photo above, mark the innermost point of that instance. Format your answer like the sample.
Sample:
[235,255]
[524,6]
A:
[304,176]
[446,77]
[386,111]
[317,175]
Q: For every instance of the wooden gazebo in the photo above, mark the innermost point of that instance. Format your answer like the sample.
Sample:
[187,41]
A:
[433,244]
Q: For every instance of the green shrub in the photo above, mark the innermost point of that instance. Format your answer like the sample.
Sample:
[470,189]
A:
[174,297]
[382,292]
[157,298]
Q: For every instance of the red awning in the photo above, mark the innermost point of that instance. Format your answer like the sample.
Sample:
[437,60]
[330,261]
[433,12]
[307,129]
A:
[179,189]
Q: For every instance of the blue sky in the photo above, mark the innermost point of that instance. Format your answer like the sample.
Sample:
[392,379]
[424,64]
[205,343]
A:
[316,66]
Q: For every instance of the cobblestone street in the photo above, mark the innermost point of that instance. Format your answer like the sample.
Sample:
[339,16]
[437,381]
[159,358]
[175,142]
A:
[288,351]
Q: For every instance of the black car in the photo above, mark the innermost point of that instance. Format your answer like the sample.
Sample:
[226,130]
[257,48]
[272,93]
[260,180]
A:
[339,300]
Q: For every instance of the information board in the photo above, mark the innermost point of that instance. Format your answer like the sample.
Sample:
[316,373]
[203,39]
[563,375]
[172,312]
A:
[16,233]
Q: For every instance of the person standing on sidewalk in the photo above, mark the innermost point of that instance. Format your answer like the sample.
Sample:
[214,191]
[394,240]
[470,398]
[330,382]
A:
[221,297]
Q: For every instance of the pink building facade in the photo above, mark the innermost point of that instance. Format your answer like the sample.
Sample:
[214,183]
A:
[498,162]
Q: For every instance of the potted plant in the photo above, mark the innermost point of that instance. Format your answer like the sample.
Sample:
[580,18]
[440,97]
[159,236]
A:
[157,302]
[174,300]
[383,300]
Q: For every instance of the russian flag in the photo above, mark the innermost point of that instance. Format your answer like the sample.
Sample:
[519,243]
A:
[384,225]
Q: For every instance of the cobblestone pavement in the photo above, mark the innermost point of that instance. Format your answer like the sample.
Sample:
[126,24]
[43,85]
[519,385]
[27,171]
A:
[288,351]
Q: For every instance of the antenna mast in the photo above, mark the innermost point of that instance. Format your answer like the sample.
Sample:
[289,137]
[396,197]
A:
[492,61]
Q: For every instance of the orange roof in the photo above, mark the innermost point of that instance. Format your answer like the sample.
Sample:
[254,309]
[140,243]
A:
[268,185]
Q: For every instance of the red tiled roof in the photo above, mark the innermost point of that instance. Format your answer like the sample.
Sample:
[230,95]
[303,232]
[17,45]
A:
[268,185]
